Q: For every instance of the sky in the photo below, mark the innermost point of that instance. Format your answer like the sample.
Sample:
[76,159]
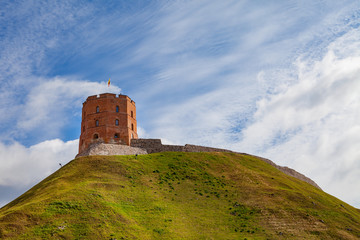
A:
[277,79]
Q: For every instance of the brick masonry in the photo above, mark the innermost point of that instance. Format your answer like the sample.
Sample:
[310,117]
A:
[107,118]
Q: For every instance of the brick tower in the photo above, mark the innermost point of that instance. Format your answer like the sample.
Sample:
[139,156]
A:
[107,118]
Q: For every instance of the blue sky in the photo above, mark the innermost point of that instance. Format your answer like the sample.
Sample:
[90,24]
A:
[278,79]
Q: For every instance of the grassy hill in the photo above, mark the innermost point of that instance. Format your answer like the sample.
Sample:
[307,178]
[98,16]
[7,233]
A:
[176,196]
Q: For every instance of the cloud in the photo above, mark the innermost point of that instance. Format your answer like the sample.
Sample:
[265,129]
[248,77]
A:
[22,167]
[42,159]
[28,35]
[26,39]
[209,63]
[312,125]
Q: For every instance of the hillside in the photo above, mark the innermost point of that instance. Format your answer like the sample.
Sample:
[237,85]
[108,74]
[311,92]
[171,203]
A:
[176,195]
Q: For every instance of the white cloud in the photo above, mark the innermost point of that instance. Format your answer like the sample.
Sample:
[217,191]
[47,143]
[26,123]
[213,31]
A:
[313,125]
[21,167]
[24,166]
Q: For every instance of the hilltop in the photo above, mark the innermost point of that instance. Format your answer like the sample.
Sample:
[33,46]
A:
[176,195]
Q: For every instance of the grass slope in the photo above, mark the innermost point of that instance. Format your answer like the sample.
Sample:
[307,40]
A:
[176,196]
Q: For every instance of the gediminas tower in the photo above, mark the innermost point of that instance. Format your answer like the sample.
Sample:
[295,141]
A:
[107,118]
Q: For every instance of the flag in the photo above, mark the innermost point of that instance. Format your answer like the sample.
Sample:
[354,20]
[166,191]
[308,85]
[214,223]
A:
[109,83]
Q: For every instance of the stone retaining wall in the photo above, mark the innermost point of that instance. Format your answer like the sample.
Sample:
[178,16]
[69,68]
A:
[155,145]
[111,149]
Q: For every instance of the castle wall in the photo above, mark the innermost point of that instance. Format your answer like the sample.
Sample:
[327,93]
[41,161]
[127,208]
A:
[155,145]
[142,146]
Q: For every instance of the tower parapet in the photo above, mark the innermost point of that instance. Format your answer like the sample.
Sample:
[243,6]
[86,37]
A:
[108,118]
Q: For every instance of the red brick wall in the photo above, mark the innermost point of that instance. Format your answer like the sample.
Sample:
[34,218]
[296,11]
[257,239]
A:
[106,117]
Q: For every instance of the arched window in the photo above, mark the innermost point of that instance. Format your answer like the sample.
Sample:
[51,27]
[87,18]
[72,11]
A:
[116,135]
[117,108]
[117,122]
[97,123]
[132,114]
[96,136]
[97,109]
[132,126]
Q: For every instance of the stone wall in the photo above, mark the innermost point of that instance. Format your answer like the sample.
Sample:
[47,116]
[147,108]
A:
[143,146]
[111,149]
[196,148]
[151,145]
[155,145]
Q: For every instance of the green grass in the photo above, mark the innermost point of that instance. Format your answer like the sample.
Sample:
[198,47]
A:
[176,196]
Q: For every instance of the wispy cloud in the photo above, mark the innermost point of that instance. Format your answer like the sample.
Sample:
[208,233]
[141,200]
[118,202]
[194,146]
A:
[27,36]
[199,86]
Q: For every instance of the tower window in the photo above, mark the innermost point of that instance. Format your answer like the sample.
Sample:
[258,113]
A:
[132,126]
[117,122]
[83,128]
[96,136]
[132,114]
[97,123]
[117,108]
[97,109]
[116,135]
